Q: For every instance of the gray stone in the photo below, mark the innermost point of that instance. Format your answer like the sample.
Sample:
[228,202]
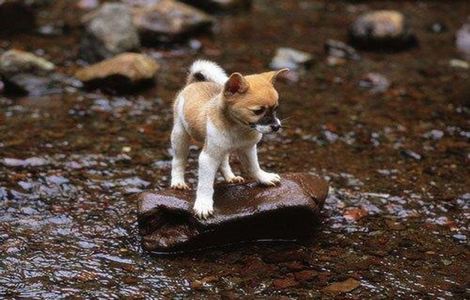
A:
[375,83]
[108,31]
[462,41]
[168,21]
[243,212]
[291,59]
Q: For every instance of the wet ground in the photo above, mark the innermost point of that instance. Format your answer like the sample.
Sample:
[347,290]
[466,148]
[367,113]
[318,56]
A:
[397,216]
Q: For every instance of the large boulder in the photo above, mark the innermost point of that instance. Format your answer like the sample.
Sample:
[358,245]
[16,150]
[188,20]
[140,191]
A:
[16,16]
[168,21]
[243,212]
[108,31]
[122,73]
[385,30]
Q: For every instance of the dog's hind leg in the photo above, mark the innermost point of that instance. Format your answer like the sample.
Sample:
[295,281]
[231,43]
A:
[227,171]
[180,140]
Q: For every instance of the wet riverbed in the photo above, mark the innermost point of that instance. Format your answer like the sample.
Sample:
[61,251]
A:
[397,216]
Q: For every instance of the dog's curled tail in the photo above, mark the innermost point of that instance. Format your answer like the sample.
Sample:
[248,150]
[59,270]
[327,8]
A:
[204,70]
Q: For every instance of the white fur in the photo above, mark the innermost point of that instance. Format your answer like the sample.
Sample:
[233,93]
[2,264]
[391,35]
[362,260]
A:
[210,70]
[216,152]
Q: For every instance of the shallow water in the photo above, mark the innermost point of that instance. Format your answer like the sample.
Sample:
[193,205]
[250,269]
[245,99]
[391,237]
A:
[396,218]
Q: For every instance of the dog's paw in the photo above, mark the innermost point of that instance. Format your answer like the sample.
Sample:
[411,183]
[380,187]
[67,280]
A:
[270,179]
[203,208]
[179,186]
[235,179]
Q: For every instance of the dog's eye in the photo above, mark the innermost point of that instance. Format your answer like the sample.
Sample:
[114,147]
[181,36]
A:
[259,111]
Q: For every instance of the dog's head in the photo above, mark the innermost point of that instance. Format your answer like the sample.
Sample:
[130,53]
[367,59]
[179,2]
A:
[253,101]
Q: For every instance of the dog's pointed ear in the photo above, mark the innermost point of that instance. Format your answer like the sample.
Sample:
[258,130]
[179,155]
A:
[236,84]
[272,75]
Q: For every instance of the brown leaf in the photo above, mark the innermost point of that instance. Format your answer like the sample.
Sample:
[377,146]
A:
[285,283]
[355,214]
[342,286]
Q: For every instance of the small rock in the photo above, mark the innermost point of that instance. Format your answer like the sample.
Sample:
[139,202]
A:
[338,49]
[291,59]
[411,154]
[169,21]
[16,61]
[462,41]
[375,82]
[355,213]
[434,134]
[88,4]
[109,31]
[438,27]
[125,71]
[342,287]
[2,87]
[16,16]
[284,283]
[33,85]
[382,30]
[305,275]
[225,6]
[458,63]
[29,162]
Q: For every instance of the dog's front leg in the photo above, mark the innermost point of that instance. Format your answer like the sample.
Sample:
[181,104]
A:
[209,162]
[249,159]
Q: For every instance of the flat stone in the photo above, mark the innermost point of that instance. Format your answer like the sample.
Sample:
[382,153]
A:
[386,30]
[125,71]
[108,31]
[243,212]
[225,6]
[168,21]
[17,61]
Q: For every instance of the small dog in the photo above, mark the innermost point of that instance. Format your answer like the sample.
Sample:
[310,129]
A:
[226,114]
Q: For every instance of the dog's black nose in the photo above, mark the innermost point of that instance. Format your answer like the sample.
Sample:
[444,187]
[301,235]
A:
[275,127]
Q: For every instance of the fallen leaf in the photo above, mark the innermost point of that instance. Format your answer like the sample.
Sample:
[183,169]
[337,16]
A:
[342,286]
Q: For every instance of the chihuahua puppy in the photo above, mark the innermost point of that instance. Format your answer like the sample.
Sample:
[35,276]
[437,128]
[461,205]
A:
[225,114]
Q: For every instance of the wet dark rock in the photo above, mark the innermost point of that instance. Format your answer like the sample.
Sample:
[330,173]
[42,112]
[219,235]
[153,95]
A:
[244,212]
[375,83]
[462,41]
[108,31]
[291,59]
[33,85]
[338,52]
[16,16]
[225,6]
[22,163]
[168,21]
[16,61]
[123,72]
[385,30]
